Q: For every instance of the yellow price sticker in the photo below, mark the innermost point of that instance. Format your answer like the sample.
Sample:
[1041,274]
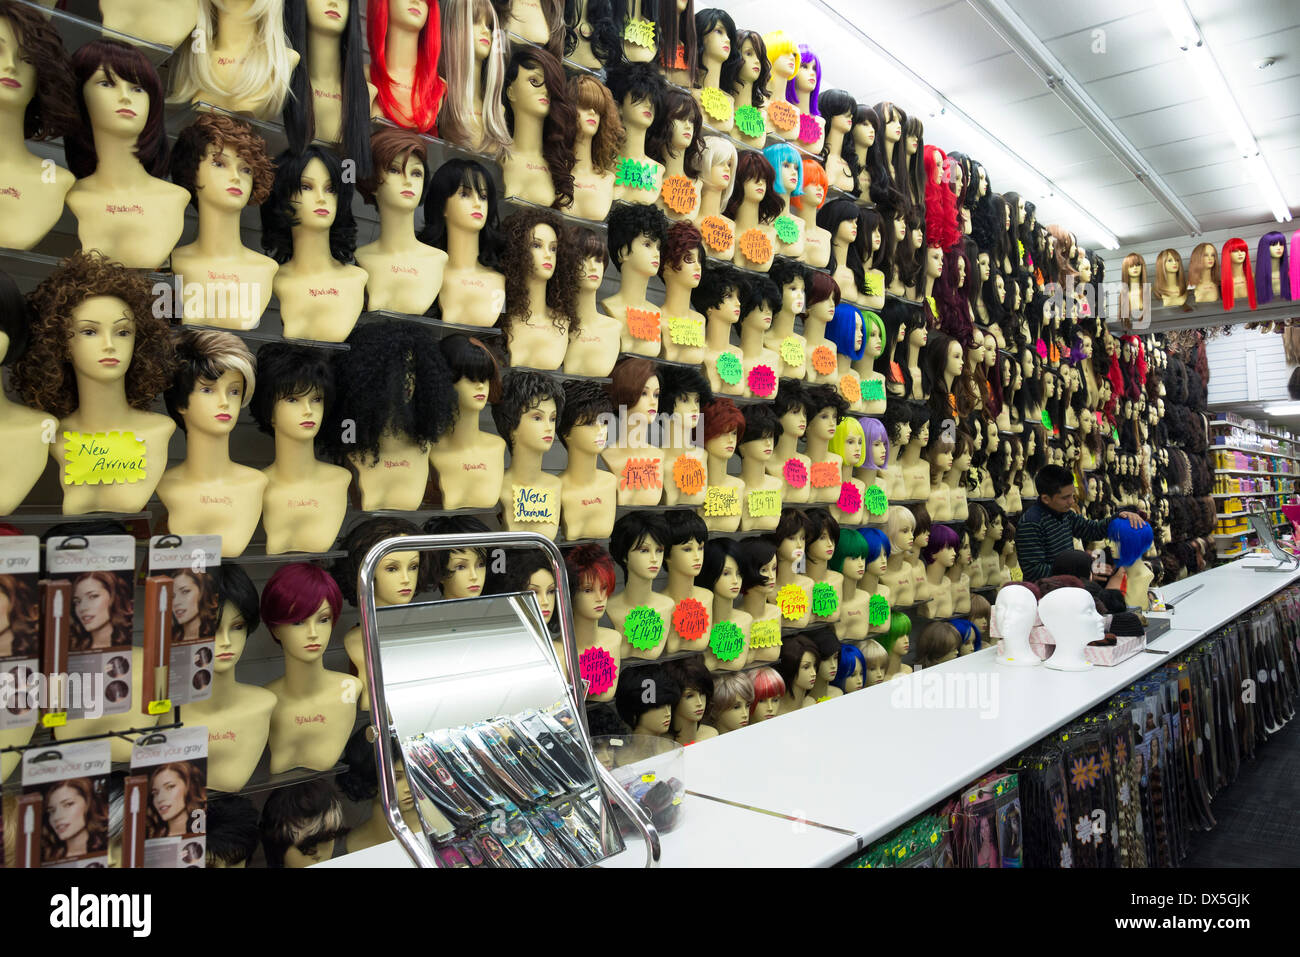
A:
[159,707]
[103,458]
[55,720]
[533,504]
[648,778]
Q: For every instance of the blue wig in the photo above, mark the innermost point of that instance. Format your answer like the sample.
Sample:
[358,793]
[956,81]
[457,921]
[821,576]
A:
[877,542]
[965,628]
[779,153]
[850,660]
[1133,542]
[842,330]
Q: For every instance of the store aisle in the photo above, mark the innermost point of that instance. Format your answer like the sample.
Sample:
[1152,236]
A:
[1258,823]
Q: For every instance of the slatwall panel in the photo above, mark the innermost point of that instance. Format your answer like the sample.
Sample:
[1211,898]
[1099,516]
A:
[1229,377]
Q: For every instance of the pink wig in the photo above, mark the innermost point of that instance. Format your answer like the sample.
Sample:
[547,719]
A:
[1232,246]
[768,683]
[1295,264]
[942,227]
[296,591]
[429,87]
[590,563]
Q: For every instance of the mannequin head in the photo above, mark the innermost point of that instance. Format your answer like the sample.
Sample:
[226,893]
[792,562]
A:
[755,181]
[475,374]
[1129,543]
[90,309]
[232,831]
[297,386]
[825,409]
[718,166]
[850,558]
[732,699]
[896,641]
[647,702]
[720,570]
[876,441]
[900,526]
[470,65]
[534,86]
[584,424]
[638,89]
[697,688]
[798,665]
[400,174]
[1267,264]
[755,68]
[216,154]
[462,197]
[676,131]
[381,393]
[401,574]
[214,380]
[460,573]
[848,331]
[591,580]
[791,536]
[127,73]
[849,442]
[634,390]
[942,546]
[264,71]
[532,242]
[428,86]
[310,193]
[850,670]
[815,184]
[938,642]
[597,118]
[638,543]
[636,237]
[939,453]
[756,559]
[531,405]
[47,94]
[301,823]
[762,429]
[682,259]
[828,653]
[787,166]
[526,570]
[300,604]
[769,688]
[823,535]
[683,393]
[687,537]
[716,42]
[724,427]
[1170,279]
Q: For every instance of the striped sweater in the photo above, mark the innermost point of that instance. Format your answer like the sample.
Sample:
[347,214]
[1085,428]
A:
[1043,534]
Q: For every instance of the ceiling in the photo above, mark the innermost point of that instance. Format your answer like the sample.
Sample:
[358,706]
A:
[1121,53]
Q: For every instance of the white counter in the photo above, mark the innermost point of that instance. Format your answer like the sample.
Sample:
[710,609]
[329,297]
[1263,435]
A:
[813,787]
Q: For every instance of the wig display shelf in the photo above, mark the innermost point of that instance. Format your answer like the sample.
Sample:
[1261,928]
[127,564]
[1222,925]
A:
[439,328]
[516,203]
[1224,423]
[256,554]
[418,516]
[181,115]
[28,268]
[562,375]
[262,334]
[1248,494]
[263,780]
[34,519]
[903,299]
[440,150]
[79,28]
[1169,320]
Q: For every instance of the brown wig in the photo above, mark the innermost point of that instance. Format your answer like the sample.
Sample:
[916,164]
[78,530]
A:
[121,594]
[588,93]
[52,111]
[219,131]
[581,245]
[1178,287]
[561,123]
[516,263]
[196,794]
[720,417]
[676,104]
[24,615]
[44,375]
[389,145]
[209,612]
[628,380]
[1196,270]
[752,164]
[119,60]
[91,791]
[681,238]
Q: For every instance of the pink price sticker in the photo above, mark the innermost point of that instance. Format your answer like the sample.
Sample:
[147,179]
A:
[762,381]
[599,669]
[795,473]
[850,500]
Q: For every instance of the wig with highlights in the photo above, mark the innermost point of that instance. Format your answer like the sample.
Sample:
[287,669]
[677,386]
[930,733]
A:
[465,76]
[588,93]
[218,132]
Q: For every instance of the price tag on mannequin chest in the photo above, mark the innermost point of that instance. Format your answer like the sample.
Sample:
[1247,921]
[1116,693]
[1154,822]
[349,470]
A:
[764,503]
[825,474]
[823,360]
[765,633]
[825,600]
[103,458]
[688,474]
[690,619]
[643,324]
[642,474]
[643,627]
[722,500]
[726,641]
[535,505]
[877,501]
[686,331]
[598,667]
[793,601]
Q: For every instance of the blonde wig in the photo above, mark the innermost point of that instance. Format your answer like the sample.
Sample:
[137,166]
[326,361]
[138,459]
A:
[264,76]
[463,75]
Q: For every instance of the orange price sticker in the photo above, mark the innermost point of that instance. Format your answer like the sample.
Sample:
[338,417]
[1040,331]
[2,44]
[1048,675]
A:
[688,475]
[717,233]
[690,619]
[643,324]
[756,245]
[851,390]
[679,194]
[823,360]
[783,116]
[825,474]
[642,474]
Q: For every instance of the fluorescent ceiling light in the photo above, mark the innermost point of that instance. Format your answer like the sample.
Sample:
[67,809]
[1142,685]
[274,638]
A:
[1282,408]
[1267,184]
[1181,24]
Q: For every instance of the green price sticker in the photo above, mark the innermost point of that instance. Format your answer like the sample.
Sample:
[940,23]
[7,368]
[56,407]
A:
[726,640]
[749,120]
[1047,420]
[729,368]
[873,390]
[877,501]
[878,610]
[643,627]
[824,599]
[634,174]
[787,230]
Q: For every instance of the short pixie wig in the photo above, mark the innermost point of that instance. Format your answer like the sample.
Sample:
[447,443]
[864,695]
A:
[717,282]
[218,132]
[628,380]
[640,81]
[389,145]
[719,149]
[584,404]
[720,417]
[629,531]
[44,376]
[752,556]
[295,591]
[204,355]
[233,585]
[653,688]
[716,553]
[119,60]
[678,382]
[681,238]
[589,565]
[629,221]
[279,219]
[761,422]
[523,391]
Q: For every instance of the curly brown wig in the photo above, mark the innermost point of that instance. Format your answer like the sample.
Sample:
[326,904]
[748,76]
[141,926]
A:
[44,375]
[219,131]
[52,111]
[588,93]
[517,264]
[560,125]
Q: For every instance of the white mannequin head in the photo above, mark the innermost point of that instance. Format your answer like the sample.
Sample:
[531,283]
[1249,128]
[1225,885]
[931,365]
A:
[1014,615]
[1072,618]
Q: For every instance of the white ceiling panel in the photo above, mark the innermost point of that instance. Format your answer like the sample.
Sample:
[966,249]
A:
[1167,125]
[1193,152]
[1093,174]
[1217,176]
[1075,146]
[1229,21]
[1123,46]
[1141,91]
[1043,114]
[955,33]
[1235,218]
[1241,194]
[1051,20]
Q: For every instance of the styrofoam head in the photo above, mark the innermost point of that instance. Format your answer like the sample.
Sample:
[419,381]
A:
[1069,611]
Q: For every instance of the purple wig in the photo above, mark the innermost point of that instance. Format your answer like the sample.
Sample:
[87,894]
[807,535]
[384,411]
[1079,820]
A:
[874,430]
[941,537]
[295,591]
[1295,266]
[1264,268]
[806,55]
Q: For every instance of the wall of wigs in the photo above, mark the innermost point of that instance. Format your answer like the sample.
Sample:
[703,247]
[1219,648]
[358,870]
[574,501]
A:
[286,277]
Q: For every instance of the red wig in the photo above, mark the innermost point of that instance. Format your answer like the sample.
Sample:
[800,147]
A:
[942,228]
[428,87]
[768,684]
[295,591]
[814,174]
[822,287]
[720,417]
[1236,245]
[590,564]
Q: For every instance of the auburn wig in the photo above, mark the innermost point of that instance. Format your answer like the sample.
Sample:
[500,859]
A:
[219,132]
[588,93]
[390,146]
[120,61]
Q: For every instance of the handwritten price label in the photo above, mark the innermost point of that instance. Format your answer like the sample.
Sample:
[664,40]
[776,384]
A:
[729,367]
[639,32]
[717,104]
[825,601]
[873,283]
[540,506]
[643,324]
[850,500]
[873,390]
[726,641]
[787,230]
[762,381]
[782,115]
[810,128]
[717,232]
[878,611]
[679,194]
[764,503]
[765,633]
[934,308]
[823,360]
[756,246]
[795,473]
[825,474]
[643,627]
[103,458]
[598,667]
[686,331]
[688,475]
[749,120]
[642,474]
[850,389]
[793,602]
[876,500]
[690,619]
[792,351]
[635,174]
[722,501]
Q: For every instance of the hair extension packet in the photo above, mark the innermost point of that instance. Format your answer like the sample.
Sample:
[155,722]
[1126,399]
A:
[172,810]
[189,621]
[81,771]
[20,657]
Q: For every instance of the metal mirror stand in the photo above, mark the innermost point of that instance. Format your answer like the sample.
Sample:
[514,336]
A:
[1263,527]
[383,731]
